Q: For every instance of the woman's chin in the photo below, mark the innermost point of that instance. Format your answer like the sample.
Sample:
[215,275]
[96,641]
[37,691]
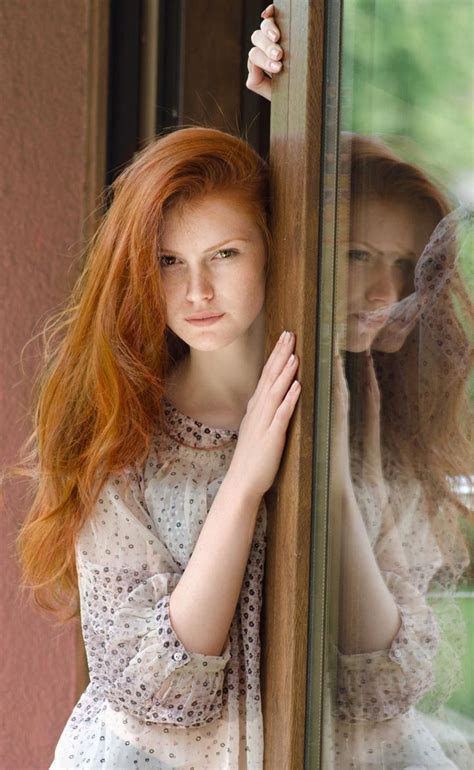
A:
[357,343]
[207,346]
[210,342]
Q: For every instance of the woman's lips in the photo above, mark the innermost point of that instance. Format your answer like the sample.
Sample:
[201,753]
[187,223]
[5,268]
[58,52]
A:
[372,319]
[205,321]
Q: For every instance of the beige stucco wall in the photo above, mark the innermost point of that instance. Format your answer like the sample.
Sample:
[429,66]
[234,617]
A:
[45,178]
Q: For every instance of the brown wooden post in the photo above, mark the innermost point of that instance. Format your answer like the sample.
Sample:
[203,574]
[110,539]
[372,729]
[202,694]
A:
[295,159]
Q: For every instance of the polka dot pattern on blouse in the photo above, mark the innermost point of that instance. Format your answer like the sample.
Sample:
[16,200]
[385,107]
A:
[151,703]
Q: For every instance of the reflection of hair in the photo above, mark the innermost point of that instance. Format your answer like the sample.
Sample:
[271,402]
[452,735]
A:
[376,171]
[426,418]
[99,398]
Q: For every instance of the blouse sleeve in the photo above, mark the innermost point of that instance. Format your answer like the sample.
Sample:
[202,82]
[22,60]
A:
[126,576]
[381,685]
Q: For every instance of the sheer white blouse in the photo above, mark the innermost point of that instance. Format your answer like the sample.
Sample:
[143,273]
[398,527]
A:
[152,704]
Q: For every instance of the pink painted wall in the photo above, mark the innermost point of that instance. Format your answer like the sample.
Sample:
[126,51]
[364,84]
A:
[42,181]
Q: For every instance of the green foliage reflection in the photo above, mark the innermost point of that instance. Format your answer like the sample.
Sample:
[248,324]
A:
[408,76]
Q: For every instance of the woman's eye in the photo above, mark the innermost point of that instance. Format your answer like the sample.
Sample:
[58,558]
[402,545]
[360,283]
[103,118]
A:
[358,255]
[167,261]
[226,253]
[405,264]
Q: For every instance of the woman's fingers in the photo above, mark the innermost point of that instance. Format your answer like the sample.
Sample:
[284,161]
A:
[341,389]
[272,399]
[270,29]
[264,59]
[372,466]
[287,407]
[267,54]
[257,81]
[373,390]
[268,11]
[274,366]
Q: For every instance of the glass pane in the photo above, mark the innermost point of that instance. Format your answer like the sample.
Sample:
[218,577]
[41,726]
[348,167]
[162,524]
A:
[398,666]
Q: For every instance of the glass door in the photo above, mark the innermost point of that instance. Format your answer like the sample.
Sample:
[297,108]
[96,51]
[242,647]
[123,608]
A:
[390,680]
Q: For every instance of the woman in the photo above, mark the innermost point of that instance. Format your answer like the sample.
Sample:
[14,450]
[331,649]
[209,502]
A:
[396,454]
[157,435]
[394,457]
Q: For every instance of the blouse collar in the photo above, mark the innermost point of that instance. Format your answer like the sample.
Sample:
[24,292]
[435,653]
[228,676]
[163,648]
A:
[193,433]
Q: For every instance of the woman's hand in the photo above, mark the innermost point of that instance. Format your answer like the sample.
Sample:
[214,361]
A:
[264,58]
[371,460]
[372,469]
[262,432]
[340,459]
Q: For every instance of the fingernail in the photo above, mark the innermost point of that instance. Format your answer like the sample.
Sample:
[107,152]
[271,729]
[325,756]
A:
[282,336]
[274,52]
[275,66]
[290,360]
[272,35]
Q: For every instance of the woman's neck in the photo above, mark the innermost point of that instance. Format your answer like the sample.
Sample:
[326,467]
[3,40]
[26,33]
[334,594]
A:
[215,386]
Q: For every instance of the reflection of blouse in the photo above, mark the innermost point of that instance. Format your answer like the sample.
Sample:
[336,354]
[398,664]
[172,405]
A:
[376,724]
[151,703]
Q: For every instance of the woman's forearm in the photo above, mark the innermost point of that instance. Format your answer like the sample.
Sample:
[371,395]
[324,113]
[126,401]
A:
[368,615]
[203,603]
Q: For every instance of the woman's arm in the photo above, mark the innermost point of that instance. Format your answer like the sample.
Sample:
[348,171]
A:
[369,618]
[203,603]
[368,615]
[126,576]
[387,633]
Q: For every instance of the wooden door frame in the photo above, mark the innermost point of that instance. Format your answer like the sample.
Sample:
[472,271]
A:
[295,157]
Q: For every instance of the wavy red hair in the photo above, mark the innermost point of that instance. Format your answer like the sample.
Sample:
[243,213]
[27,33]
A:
[431,433]
[98,398]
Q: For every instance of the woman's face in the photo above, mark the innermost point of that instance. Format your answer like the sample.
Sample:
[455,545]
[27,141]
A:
[385,241]
[212,260]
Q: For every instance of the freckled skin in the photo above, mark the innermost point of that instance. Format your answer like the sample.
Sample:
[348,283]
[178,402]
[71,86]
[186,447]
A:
[202,280]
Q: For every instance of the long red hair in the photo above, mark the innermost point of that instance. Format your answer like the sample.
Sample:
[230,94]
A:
[426,415]
[98,398]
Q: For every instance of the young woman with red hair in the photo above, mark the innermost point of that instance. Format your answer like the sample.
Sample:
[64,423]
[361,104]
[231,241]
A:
[403,321]
[157,435]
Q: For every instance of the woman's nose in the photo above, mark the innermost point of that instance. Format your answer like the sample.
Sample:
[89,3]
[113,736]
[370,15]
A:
[382,286]
[199,286]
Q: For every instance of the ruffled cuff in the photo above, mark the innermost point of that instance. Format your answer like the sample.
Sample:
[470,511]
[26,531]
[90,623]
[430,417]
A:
[163,682]
[381,685]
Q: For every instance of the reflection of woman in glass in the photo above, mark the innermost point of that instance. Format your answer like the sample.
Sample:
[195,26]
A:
[394,453]
[158,510]
[404,439]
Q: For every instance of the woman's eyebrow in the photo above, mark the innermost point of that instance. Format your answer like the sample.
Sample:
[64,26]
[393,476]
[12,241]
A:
[401,251]
[211,248]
